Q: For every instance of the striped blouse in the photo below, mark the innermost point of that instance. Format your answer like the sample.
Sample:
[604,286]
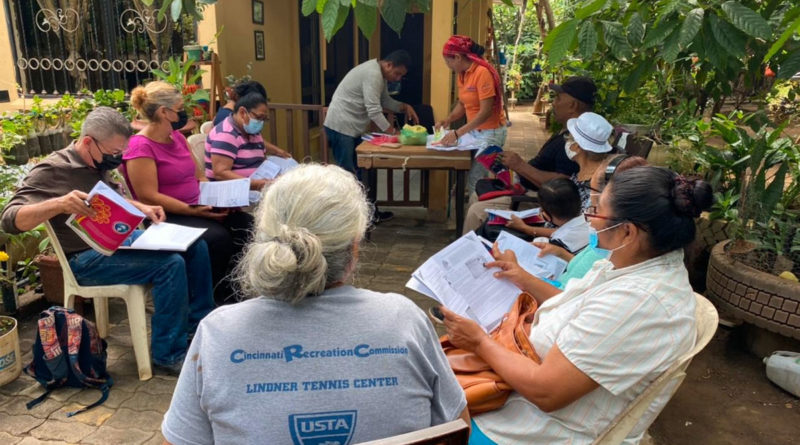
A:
[246,150]
[622,328]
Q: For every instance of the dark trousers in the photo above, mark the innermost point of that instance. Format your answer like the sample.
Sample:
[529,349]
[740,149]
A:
[225,240]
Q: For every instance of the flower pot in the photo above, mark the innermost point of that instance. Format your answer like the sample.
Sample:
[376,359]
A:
[33,143]
[44,144]
[758,298]
[55,141]
[52,278]
[9,298]
[193,52]
[18,155]
[10,364]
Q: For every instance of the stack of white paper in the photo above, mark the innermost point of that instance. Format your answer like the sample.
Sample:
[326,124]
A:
[457,278]
[231,193]
[465,142]
[166,236]
[271,168]
[549,266]
[506,214]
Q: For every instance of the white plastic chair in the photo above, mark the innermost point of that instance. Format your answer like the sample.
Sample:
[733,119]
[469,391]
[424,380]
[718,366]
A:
[135,297]
[206,127]
[668,382]
[197,143]
[450,433]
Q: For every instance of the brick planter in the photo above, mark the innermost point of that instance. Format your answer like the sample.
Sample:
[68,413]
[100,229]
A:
[758,298]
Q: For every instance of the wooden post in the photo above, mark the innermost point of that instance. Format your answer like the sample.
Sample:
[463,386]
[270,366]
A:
[440,29]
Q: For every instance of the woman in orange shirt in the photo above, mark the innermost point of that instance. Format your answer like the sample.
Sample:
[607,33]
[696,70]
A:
[480,98]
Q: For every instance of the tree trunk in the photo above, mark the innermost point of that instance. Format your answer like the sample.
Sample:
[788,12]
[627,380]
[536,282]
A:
[542,8]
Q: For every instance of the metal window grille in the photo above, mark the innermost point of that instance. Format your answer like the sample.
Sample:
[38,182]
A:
[65,46]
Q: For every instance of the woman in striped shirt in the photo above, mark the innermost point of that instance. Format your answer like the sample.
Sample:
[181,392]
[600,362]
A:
[235,148]
[608,335]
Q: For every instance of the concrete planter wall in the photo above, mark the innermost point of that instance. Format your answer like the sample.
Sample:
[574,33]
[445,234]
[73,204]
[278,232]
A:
[758,298]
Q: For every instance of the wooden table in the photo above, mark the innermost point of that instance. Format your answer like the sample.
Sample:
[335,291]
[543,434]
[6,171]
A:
[372,157]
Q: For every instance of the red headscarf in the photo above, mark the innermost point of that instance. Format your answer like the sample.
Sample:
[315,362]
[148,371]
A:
[463,45]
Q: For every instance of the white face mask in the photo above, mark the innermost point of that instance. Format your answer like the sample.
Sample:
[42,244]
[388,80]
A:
[570,154]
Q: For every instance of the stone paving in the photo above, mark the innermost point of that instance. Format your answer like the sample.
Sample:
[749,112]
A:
[133,412]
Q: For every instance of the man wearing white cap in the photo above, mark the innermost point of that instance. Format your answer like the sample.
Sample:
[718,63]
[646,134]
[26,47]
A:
[574,97]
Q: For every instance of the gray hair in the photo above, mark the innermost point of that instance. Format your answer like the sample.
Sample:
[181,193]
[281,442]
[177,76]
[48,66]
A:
[103,123]
[306,228]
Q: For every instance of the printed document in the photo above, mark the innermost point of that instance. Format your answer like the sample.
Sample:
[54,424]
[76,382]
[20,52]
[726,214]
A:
[465,142]
[166,236]
[231,193]
[115,219]
[458,278]
[285,164]
[549,266]
[506,214]
[267,170]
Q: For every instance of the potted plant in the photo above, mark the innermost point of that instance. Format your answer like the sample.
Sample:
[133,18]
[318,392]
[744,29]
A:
[50,273]
[7,285]
[753,275]
[12,144]
[10,364]
[185,79]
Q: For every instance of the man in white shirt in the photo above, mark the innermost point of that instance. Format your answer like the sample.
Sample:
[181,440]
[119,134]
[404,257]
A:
[360,98]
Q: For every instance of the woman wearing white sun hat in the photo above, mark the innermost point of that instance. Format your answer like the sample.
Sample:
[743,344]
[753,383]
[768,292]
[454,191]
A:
[587,145]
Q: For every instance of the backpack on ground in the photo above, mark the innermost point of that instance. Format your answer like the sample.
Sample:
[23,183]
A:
[68,352]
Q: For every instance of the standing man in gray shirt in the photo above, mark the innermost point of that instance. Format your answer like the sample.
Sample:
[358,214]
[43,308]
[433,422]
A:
[361,98]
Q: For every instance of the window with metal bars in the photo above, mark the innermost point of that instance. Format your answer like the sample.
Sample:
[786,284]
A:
[65,46]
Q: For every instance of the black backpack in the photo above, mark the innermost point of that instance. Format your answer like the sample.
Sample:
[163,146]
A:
[68,352]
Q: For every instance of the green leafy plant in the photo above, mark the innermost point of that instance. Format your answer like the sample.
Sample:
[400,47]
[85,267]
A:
[180,75]
[707,50]
[334,13]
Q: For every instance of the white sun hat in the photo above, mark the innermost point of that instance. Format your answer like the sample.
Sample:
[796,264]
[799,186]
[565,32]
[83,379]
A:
[591,131]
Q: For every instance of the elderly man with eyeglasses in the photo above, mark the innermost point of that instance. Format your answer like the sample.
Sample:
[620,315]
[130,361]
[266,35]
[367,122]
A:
[57,187]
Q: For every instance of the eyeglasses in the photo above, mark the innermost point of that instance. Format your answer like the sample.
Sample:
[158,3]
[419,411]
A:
[116,152]
[591,212]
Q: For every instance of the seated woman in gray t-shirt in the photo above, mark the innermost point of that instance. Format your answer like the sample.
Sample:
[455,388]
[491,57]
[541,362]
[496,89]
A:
[311,359]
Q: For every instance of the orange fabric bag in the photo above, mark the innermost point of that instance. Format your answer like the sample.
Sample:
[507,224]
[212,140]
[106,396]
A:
[485,390]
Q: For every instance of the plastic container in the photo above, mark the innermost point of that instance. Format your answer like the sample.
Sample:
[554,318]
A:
[193,52]
[10,364]
[783,369]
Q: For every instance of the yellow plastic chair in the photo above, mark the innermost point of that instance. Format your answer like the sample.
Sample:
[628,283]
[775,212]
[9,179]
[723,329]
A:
[667,383]
[134,295]
[450,433]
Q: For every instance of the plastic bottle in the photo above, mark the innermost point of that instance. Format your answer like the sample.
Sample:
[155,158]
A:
[783,369]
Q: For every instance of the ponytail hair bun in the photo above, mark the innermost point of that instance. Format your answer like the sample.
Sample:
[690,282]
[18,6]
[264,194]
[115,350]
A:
[306,228]
[477,49]
[138,97]
[691,197]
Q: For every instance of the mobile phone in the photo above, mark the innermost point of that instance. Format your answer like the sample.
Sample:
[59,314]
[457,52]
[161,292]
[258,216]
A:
[436,314]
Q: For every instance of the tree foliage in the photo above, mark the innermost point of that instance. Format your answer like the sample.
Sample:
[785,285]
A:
[709,50]
[334,13]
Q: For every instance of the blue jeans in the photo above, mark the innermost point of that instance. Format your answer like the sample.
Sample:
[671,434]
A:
[181,289]
[344,149]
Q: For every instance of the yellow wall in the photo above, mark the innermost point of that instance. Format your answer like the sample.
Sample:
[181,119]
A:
[8,77]
[279,72]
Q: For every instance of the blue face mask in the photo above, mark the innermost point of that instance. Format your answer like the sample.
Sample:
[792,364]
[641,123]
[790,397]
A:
[599,251]
[254,126]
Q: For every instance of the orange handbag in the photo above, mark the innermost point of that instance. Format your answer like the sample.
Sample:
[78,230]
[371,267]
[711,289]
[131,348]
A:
[485,390]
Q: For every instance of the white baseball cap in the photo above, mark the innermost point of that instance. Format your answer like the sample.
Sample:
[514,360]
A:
[591,131]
